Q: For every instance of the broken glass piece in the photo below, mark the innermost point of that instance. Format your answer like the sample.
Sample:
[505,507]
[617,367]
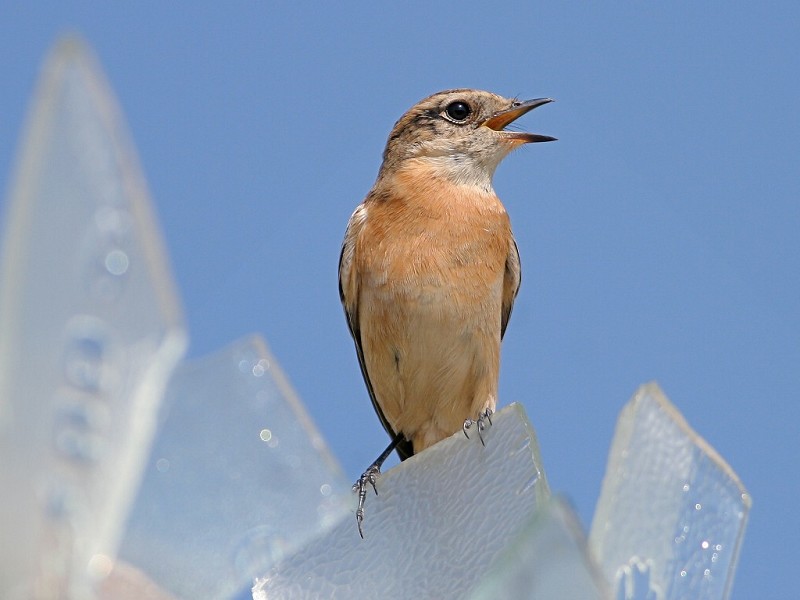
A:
[671,514]
[90,329]
[548,560]
[436,527]
[238,478]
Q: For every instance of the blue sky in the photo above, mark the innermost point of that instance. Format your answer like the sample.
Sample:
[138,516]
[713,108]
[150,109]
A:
[659,235]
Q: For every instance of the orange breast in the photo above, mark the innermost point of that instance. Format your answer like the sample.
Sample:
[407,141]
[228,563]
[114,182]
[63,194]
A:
[431,260]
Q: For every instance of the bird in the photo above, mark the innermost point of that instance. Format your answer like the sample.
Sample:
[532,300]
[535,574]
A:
[429,270]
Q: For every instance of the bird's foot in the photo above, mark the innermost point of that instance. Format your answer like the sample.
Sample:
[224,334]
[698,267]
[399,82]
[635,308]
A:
[483,421]
[370,476]
[360,487]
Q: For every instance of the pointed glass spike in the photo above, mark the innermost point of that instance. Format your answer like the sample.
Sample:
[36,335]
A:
[238,478]
[671,514]
[548,560]
[440,520]
[90,329]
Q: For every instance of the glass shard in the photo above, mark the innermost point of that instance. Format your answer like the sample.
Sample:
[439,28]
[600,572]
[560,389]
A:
[238,478]
[548,560]
[671,514]
[439,521]
[90,329]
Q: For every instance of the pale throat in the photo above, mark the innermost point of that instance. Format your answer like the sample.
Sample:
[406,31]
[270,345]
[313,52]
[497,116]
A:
[463,168]
[445,187]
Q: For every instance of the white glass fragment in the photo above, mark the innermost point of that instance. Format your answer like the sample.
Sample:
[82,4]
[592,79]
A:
[238,478]
[547,560]
[90,329]
[671,514]
[436,528]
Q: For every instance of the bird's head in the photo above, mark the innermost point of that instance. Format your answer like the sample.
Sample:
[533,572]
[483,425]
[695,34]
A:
[460,134]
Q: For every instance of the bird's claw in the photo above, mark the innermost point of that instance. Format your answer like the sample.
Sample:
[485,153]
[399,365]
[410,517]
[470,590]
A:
[367,478]
[482,420]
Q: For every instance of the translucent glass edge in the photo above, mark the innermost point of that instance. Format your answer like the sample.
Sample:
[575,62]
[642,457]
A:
[297,406]
[72,50]
[556,509]
[733,565]
[621,437]
[142,205]
[622,433]
[155,382]
[35,136]
[544,486]
[252,348]
[654,391]
[17,212]
[305,574]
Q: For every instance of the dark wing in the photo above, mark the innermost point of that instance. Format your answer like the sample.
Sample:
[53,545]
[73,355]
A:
[349,285]
[511,281]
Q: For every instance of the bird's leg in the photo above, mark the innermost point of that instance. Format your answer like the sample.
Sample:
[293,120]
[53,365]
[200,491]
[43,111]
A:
[369,476]
[482,420]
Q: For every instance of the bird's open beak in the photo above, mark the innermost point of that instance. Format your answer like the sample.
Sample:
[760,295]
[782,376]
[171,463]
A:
[499,120]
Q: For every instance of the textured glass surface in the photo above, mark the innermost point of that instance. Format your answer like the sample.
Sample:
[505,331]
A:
[90,328]
[548,560]
[671,514]
[439,523]
[238,478]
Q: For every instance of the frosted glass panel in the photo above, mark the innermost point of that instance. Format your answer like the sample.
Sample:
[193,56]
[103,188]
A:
[238,478]
[548,560]
[671,514]
[439,521]
[90,328]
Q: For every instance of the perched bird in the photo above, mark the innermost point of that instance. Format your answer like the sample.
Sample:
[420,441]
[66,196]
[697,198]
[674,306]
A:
[429,270]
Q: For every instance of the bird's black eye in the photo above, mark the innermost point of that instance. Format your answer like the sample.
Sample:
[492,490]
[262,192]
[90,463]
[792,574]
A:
[458,111]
